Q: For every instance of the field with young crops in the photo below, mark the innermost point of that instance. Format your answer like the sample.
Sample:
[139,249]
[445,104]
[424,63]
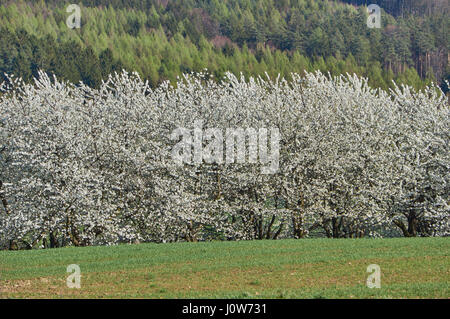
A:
[308,268]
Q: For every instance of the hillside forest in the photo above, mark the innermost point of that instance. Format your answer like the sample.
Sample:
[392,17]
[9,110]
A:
[162,39]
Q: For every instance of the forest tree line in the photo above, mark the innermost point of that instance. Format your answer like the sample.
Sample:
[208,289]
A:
[162,39]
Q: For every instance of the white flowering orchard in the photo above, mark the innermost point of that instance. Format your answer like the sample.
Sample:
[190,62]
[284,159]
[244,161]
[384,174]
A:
[80,166]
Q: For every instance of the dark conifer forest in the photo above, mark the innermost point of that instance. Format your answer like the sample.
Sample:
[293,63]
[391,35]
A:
[161,39]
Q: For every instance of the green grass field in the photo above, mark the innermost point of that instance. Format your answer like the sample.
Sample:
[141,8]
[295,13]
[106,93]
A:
[307,268]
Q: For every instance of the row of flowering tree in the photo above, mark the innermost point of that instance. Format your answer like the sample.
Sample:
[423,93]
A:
[82,166]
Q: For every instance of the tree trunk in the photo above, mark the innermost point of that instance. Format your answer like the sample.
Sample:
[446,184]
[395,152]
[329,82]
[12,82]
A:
[53,241]
[3,199]
[412,224]
[411,230]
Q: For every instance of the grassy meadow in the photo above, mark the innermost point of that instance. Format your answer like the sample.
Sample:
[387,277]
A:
[307,268]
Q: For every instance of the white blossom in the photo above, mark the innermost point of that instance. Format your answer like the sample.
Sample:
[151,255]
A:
[83,166]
